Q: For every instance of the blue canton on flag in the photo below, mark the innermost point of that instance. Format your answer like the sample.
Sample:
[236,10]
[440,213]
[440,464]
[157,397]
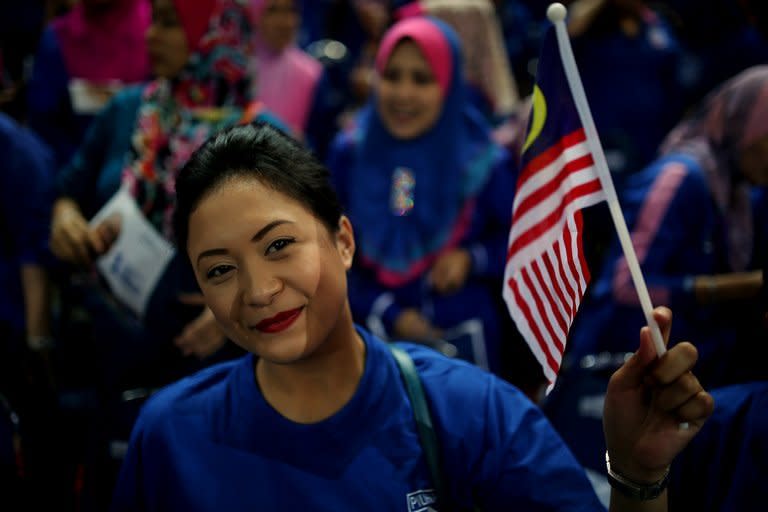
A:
[546,274]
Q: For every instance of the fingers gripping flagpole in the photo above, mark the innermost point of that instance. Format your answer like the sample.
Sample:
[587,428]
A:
[556,14]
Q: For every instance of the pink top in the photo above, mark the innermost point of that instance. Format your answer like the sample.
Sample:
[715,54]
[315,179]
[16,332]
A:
[286,80]
[108,46]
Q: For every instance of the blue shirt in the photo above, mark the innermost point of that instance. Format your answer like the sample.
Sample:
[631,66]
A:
[26,195]
[377,306]
[212,442]
[49,107]
[612,63]
[94,173]
[724,467]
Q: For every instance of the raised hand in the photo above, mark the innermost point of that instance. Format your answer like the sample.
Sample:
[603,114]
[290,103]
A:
[653,406]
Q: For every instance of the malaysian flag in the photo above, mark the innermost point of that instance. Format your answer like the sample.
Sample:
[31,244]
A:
[546,274]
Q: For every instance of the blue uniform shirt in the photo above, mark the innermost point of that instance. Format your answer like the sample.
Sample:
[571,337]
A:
[211,442]
[724,468]
[26,194]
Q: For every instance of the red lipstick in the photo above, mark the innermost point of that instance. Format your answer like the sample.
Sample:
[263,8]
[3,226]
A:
[279,322]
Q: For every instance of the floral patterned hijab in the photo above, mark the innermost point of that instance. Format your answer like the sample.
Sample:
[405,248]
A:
[731,118]
[176,116]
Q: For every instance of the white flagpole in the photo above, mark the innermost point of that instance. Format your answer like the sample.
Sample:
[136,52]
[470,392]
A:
[556,13]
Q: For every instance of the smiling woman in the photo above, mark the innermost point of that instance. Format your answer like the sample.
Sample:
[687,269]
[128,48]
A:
[429,193]
[316,416]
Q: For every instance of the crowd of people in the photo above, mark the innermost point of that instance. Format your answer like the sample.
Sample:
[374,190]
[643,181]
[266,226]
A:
[340,174]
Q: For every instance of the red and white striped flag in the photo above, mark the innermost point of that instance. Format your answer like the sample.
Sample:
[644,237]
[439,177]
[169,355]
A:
[563,172]
[546,274]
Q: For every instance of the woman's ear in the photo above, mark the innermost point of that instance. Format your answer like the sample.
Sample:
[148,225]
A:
[345,241]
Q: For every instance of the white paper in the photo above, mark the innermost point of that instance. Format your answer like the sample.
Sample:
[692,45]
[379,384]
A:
[89,98]
[136,260]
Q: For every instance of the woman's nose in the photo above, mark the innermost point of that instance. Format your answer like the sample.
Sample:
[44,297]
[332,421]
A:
[403,89]
[260,288]
[150,35]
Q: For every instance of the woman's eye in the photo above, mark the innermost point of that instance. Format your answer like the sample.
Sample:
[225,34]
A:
[219,271]
[423,78]
[279,245]
[390,75]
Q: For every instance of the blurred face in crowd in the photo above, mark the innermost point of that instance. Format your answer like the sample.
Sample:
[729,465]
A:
[409,97]
[278,24]
[753,161]
[166,41]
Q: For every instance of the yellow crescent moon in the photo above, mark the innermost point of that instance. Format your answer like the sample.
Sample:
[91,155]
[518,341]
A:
[539,117]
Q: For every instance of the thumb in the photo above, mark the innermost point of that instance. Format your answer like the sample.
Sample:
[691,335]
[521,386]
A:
[192,299]
[636,368]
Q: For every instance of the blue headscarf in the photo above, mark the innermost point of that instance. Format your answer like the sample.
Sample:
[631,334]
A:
[413,199]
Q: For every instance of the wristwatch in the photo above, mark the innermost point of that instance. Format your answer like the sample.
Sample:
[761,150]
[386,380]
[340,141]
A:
[634,490]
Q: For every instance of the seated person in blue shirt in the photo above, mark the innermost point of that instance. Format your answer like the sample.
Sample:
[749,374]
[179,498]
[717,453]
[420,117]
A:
[316,416]
[698,220]
[26,190]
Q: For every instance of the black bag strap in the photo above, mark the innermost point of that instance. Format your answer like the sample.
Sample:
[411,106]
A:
[423,419]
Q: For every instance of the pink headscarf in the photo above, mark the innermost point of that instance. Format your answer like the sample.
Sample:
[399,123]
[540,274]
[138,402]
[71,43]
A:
[286,80]
[430,41]
[486,65]
[731,118]
[107,46]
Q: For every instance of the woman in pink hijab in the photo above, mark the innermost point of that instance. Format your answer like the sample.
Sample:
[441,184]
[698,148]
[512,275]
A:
[288,77]
[84,57]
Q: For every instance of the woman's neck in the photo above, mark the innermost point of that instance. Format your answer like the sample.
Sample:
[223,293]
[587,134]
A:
[313,389]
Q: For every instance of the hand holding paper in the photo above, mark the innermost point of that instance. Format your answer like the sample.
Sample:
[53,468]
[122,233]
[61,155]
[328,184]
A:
[136,258]
[72,239]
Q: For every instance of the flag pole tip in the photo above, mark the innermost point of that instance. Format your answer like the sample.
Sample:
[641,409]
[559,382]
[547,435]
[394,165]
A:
[556,12]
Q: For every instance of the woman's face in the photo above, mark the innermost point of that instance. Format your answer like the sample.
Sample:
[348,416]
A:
[273,275]
[278,24]
[409,97]
[166,41]
[753,161]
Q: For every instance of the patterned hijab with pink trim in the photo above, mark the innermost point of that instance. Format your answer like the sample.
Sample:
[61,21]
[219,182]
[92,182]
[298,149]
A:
[176,116]
[108,45]
[731,118]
